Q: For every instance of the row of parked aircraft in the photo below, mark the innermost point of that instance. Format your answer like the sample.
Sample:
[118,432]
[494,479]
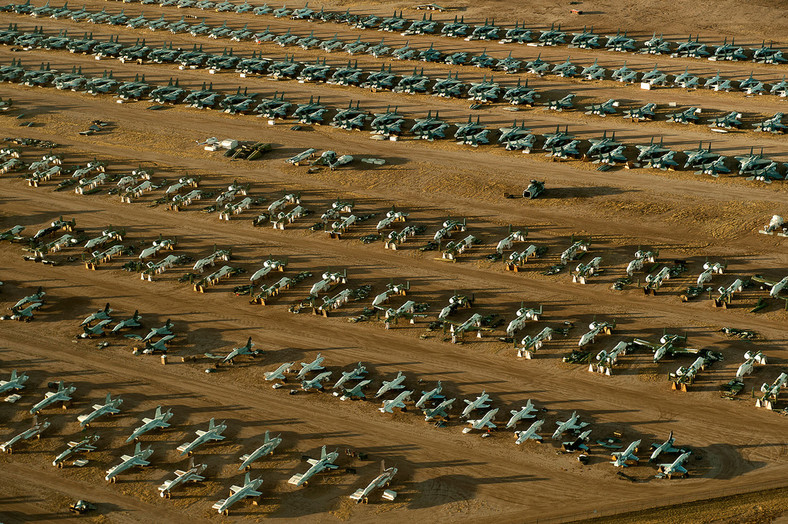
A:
[457,28]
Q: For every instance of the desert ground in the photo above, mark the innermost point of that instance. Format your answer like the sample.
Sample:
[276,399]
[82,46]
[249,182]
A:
[739,452]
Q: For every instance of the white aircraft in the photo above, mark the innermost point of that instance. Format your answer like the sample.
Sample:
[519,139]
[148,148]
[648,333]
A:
[355,374]
[595,328]
[508,242]
[529,433]
[674,468]
[159,421]
[316,382]
[356,391]
[63,394]
[485,422]
[524,413]
[249,489]
[709,269]
[268,266]
[752,358]
[109,407]
[82,446]
[328,280]
[182,477]
[306,367]
[620,458]
[213,433]
[479,403]
[279,373]
[570,424]
[607,359]
[772,391]
[140,458]
[426,396]
[381,481]
[398,402]
[777,287]
[439,411]
[15,383]
[523,316]
[326,461]
[665,447]
[34,431]
[388,385]
[531,344]
[268,447]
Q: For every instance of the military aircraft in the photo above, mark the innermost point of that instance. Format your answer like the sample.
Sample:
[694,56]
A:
[700,156]
[15,383]
[481,402]
[553,36]
[315,382]
[585,39]
[772,391]
[675,468]
[624,75]
[603,109]
[472,133]
[455,29]
[558,138]
[537,66]
[644,113]
[780,88]
[571,424]
[526,412]
[605,360]
[517,138]
[565,69]
[521,94]
[622,458]
[767,54]
[356,47]
[584,271]
[381,481]
[483,60]
[358,372]
[110,407]
[429,127]
[383,79]
[356,391]
[267,448]
[213,433]
[566,102]
[751,358]
[396,403]
[287,68]
[326,461]
[85,445]
[308,42]
[485,31]
[310,113]
[62,395]
[717,83]
[595,328]
[243,350]
[395,23]
[685,116]
[317,72]
[655,77]
[486,422]
[664,447]
[771,125]
[686,80]
[281,12]
[620,43]
[261,10]
[530,433]
[656,45]
[34,431]
[776,286]
[12,234]
[238,493]
[533,190]
[413,84]
[279,373]
[159,421]
[139,459]
[275,107]
[405,52]
[193,474]
[331,44]
[593,72]
[728,51]
[691,48]
[389,385]
[424,26]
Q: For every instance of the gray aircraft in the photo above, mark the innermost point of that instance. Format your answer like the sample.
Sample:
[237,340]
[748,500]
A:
[413,84]
[472,133]
[238,493]
[381,481]
[685,116]
[267,448]
[517,138]
[396,403]
[518,34]
[566,102]
[441,411]
[395,383]
[86,445]
[640,114]
[656,45]
[310,113]
[485,31]
[603,109]
[771,125]
[486,422]
[553,36]
[593,72]
[767,54]
[356,391]
[331,44]
[276,107]
[449,87]
[160,420]
[213,433]
[530,433]
[620,43]
[624,75]
[483,60]
[326,461]
[279,373]
[405,52]
[623,458]
[728,51]
[424,26]
[455,29]
[691,48]
[664,447]
[15,383]
[717,83]
[458,58]
[308,367]
[674,468]
[110,407]
[388,123]
[193,474]
[358,372]
[316,382]
[34,431]
[139,459]
[586,39]
[486,91]
[243,350]
[395,23]
[751,86]
[571,424]
[481,402]
[62,395]
[430,127]
[521,94]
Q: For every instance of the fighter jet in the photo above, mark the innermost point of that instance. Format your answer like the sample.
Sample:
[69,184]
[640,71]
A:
[458,58]
[481,402]
[593,72]
[656,45]
[472,133]
[431,55]
[603,109]
[566,69]
[675,468]
[34,431]
[521,94]
[381,481]
[395,23]
[110,407]
[691,49]
[413,84]
[530,433]
[624,75]
[620,43]
[486,91]
[326,461]
[622,458]
[316,382]
[62,395]
[717,83]
[517,138]
[526,412]
[455,29]
[552,36]
[12,234]
[561,104]
[396,403]
[780,88]
[159,421]
[139,459]
[430,127]
[571,424]
[685,116]
[664,447]
[776,286]
[728,51]
[751,86]
[193,474]
[85,445]
[449,87]
[279,373]
[162,331]
[655,77]
[356,391]
[424,26]
[405,52]
[585,40]
[238,493]
[767,54]
[483,60]
[267,448]
[686,80]
[358,372]
[243,350]
[485,31]
[388,385]
[640,114]
[213,433]
[14,383]
[486,422]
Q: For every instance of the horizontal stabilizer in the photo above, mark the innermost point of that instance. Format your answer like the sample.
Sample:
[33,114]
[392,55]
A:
[183,447]
[389,494]
[219,504]
[235,489]
[312,462]
[295,479]
[124,458]
[357,495]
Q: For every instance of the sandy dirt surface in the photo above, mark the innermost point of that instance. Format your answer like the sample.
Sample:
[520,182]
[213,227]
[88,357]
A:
[444,475]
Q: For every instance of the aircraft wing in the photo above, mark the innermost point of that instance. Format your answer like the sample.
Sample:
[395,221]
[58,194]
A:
[179,473]
[125,458]
[312,462]
[200,433]
[235,489]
